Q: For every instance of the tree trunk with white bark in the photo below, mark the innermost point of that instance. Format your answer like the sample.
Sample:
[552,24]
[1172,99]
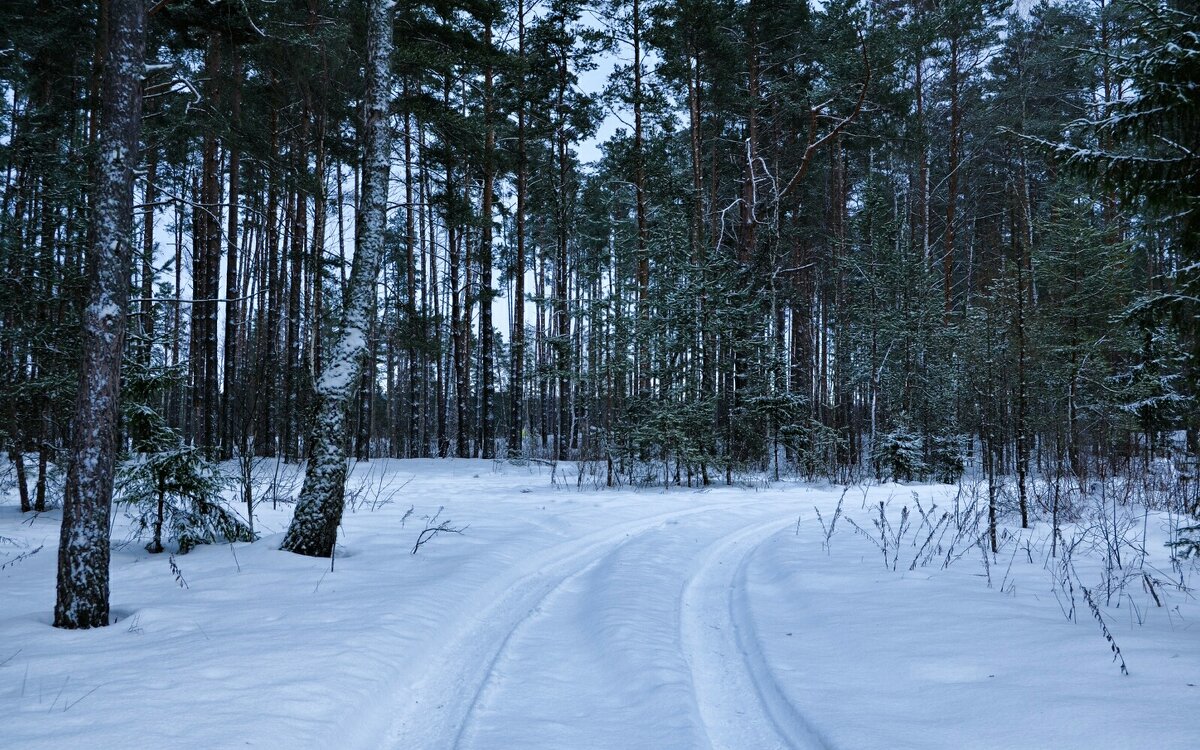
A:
[313,530]
[83,553]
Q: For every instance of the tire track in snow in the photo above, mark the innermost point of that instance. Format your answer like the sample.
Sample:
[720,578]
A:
[608,637]
[443,700]
[740,702]
[468,734]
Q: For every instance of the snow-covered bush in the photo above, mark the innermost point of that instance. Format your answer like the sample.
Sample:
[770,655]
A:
[1187,543]
[176,493]
[814,447]
[171,487]
[946,462]
[900,455]
[659,440]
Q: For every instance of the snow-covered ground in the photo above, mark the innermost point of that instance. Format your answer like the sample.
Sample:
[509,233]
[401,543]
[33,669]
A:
[572,618]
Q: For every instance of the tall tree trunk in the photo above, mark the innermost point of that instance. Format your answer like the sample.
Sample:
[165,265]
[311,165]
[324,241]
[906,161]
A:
[639,186]
[232,304]
[316,257]
[458,325]
[292,376]
[146,306]
[487,417]
[366,394]
[748,238]
[439,391]
[1021,426]
[539,340]
[952,180]
[562,324]
[175,400]
[920,219]
[705,343]
[268,320]
[313,530]
[207,265]
[83,553]
[416,360]
[517,386]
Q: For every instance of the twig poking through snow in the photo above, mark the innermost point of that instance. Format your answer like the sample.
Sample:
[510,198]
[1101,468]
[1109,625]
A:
[828,530]
[72,703]
[22,556]
[1108,636]
[433,527]
[60,692]
[177,572]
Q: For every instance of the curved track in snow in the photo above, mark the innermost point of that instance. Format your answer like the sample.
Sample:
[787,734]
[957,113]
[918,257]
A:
[640,629]
[740,702]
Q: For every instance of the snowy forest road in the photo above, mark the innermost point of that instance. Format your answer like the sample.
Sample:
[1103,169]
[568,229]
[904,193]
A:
[741,703]
[576,617]
[634,631]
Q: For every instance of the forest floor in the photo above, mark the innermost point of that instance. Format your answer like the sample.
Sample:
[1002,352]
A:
[571,617]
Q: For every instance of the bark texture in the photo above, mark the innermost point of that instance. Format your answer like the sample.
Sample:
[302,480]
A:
[83,554]
[313,530]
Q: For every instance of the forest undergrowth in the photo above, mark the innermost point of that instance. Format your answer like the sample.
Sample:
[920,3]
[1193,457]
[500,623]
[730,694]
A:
[1111,546]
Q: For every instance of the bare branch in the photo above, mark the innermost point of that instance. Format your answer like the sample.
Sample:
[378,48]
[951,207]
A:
[814,143]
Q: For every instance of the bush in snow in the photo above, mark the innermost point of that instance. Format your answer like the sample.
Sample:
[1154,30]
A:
[1187,543]
[656,437]
[946,463]
[171,488]
[176,493]
[814,447]
[900,455]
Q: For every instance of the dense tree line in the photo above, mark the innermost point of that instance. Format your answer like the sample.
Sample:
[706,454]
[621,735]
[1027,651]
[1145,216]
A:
[847,238]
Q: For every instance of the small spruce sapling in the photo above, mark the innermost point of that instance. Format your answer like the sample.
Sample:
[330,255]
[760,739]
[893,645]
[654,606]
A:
[175,494]
[900,455]
[172,488]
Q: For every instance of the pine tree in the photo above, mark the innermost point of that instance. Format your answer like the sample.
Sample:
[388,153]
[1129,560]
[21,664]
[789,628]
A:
[313,530]
[83,558]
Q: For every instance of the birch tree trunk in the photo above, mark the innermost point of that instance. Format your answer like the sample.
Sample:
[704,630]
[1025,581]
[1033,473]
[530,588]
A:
[313,530]
[83,553]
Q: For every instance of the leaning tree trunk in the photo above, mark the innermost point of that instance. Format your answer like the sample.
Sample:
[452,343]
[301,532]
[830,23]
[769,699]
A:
[83,552]
[313,530]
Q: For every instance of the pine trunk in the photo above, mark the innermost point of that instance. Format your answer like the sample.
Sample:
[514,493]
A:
[415,362]
[516,387]
[232,305]
[639,185]
[313,530]
[487,417]
[83,554]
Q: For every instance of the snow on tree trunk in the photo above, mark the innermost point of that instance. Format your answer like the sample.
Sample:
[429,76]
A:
[83,554]
[313,530]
